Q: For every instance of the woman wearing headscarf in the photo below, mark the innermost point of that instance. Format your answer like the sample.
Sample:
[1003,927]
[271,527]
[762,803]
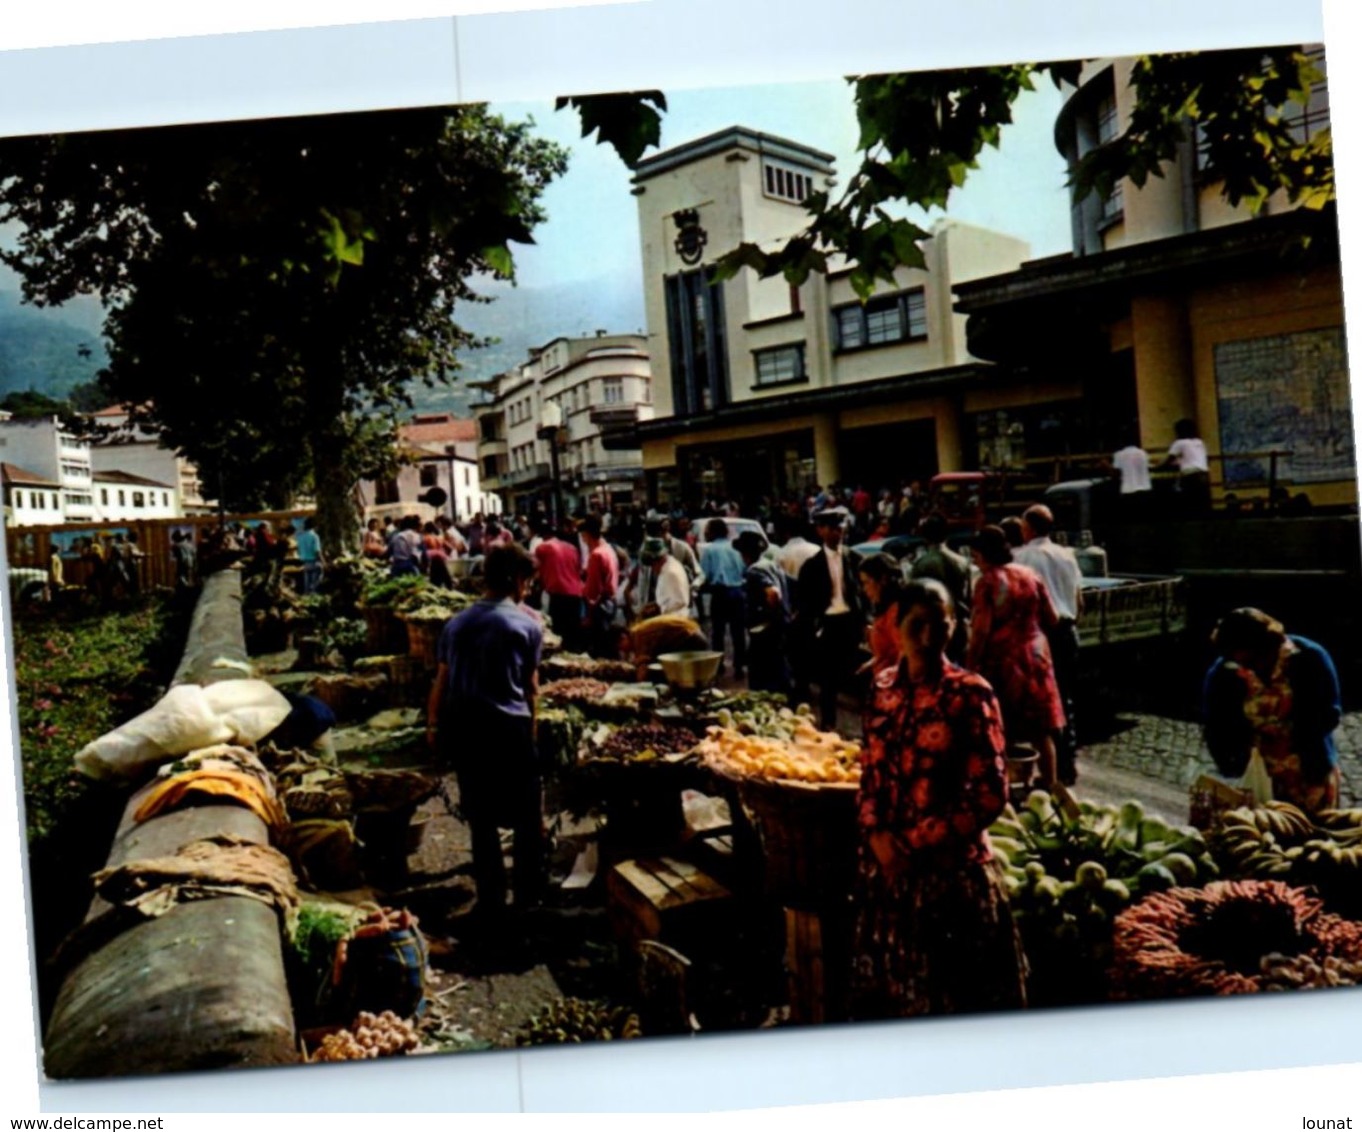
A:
[934,934]
[1278,693]
[1010,615]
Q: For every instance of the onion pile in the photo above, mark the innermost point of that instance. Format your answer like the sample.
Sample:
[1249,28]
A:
[373,1036]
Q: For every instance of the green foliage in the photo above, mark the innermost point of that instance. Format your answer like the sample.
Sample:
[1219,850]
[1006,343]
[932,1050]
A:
[275,288]
[1234,105]
[382,590]
[76,677]
[631,122]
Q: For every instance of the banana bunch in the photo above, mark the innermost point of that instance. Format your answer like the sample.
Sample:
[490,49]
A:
[1263,842]
[574,1020]
[1278,841]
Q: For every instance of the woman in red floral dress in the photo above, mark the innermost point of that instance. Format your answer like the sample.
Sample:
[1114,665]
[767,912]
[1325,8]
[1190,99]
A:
[934,934]
[1010,614]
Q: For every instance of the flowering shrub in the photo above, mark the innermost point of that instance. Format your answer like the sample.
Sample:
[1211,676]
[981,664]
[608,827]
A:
[77,676]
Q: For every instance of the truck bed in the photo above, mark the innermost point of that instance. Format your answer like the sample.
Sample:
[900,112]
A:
[1131,607]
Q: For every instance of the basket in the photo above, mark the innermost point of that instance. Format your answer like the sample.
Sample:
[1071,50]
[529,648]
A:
[809,837]
[423,638]
[385,633]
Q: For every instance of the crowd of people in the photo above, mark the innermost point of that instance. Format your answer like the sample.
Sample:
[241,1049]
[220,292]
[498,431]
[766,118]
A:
[959,664]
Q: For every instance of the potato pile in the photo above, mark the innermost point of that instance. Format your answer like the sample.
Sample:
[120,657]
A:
[808,755]
[374,1035]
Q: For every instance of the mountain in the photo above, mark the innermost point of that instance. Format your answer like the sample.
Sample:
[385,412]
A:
[40,348]
[43,349]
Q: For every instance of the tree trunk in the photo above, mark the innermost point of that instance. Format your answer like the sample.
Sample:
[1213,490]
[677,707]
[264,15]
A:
[338,521]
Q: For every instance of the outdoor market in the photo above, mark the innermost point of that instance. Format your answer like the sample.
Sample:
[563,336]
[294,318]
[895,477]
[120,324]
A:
[293,862]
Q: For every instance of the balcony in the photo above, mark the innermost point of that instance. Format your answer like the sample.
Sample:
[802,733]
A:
[614,415]
[527,475]
[495,447]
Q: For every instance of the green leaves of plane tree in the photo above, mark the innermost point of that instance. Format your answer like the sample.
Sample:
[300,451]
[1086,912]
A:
[630,122]
[1242,111]
[275,287]
[921,136]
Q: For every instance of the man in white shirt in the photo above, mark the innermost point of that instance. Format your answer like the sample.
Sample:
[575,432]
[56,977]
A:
[1058,568]
[665,587]
[1133,465]
[1188,454]
[795,551]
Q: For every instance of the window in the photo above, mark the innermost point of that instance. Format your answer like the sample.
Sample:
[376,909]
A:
[786,184]
[489,467]
[76,471]
[385,491]
[1108,127]
[104,496]
[139,499]
[429,474]
[122,498]
[780,366]
[165,499]
[18,498]
[612,390]
[467,474]
[54,502]
[696,339]
[879,322]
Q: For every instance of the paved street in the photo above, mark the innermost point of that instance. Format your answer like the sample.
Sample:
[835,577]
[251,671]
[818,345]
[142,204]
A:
[1171,753]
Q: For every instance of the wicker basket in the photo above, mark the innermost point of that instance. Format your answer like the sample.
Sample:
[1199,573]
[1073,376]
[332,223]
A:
[808,836]
[386,634]
[423,637]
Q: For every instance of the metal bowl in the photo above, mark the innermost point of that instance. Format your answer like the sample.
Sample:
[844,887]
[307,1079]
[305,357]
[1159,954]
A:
[690,671]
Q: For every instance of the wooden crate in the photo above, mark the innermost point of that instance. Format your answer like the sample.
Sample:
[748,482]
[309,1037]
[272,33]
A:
[667,899]
[817,965]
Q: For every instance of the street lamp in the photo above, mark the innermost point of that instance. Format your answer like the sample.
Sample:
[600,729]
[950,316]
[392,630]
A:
[550,425]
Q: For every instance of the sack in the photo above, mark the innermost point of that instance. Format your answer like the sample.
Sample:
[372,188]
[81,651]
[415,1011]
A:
[183,720]
[251,708]
[1256,780]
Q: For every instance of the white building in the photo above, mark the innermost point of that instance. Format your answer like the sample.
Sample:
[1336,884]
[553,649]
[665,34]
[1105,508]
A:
[59,461]
[438,450]
[595,383]
[123,496]
[30,499]
[131,449]
[764,389]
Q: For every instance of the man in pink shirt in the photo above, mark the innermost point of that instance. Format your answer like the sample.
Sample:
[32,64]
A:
[560,575]
[602,582]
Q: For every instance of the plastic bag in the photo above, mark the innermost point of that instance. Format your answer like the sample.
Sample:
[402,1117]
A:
[182,720]
[1256,780]
[251,708]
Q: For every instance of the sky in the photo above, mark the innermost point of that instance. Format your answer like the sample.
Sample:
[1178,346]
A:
[591,234]
[592,228]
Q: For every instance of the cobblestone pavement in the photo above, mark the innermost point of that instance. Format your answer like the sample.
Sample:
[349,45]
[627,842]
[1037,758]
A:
[1172,751]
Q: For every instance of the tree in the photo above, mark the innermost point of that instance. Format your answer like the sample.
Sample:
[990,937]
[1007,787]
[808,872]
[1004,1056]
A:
[922,133]
[275,287]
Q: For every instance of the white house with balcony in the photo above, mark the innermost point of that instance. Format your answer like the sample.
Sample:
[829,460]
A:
[58,464]
[588,387]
